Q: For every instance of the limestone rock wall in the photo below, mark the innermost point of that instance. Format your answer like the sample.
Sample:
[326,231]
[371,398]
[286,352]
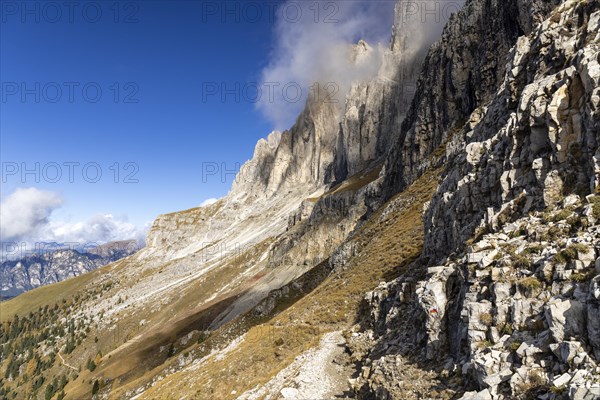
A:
[536,140]
[461,72]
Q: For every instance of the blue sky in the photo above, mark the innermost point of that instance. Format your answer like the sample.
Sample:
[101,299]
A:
[168,54]
[153,62]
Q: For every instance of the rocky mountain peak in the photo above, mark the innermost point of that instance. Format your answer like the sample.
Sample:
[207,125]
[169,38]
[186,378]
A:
[360,52]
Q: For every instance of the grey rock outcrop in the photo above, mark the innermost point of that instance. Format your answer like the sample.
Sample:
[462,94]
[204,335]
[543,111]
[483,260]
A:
[536,141]
[509,326]
[374,110]
[461,72]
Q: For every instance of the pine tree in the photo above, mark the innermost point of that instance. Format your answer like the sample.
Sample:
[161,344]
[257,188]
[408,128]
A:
[91,365]
[50,391]
[96,387]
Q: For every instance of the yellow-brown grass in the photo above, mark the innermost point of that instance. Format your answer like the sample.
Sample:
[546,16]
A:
[386,246]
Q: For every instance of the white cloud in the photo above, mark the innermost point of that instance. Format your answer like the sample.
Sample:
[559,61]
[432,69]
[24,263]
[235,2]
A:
[316,48]
[101,228]
[208,202]
[26,219]
[25,211]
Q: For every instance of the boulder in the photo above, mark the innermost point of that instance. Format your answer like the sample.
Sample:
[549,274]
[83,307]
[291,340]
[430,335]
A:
[565,318]
[474,258]
[289,393]
[474,152]
[494,380]
[566,351]
[562,380]
[584,393]
[587,258]
[483,395]
[488,259]
[593,315]
[571,200]
[479,314]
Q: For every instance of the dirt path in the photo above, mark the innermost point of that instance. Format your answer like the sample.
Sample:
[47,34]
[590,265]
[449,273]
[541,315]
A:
[313,375]
[65,364]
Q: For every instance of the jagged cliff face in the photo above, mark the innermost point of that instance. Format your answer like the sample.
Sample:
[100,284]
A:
[374,110]
[335,138]
[535,141]
[302,156]
[462,71]
[515,315]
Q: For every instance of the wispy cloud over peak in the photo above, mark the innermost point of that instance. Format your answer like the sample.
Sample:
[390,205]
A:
[316,47]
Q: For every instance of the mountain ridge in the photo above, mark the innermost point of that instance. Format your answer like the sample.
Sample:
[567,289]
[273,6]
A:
[52,266]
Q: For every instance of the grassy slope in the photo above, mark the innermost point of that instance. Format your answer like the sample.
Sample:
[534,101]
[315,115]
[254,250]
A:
[353,183]
[50,294]
[387,244]
[129,364]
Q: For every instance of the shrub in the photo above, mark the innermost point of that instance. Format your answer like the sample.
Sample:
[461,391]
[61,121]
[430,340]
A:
[579,248]
[37,383]
[595,201]
[562,215]
[536,379]
[533,249]
[554,233]
[558,389]
[570,253]
[505,328]
[531,283]
[486,319]
[521,261]
[559,258]
[95,387]
[564,256]
[575,221]
[515,345]
[581,277]
[537,325]
[520,231]
[91,365]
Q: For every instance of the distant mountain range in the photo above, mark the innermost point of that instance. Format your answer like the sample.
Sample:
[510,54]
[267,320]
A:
[46,267]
